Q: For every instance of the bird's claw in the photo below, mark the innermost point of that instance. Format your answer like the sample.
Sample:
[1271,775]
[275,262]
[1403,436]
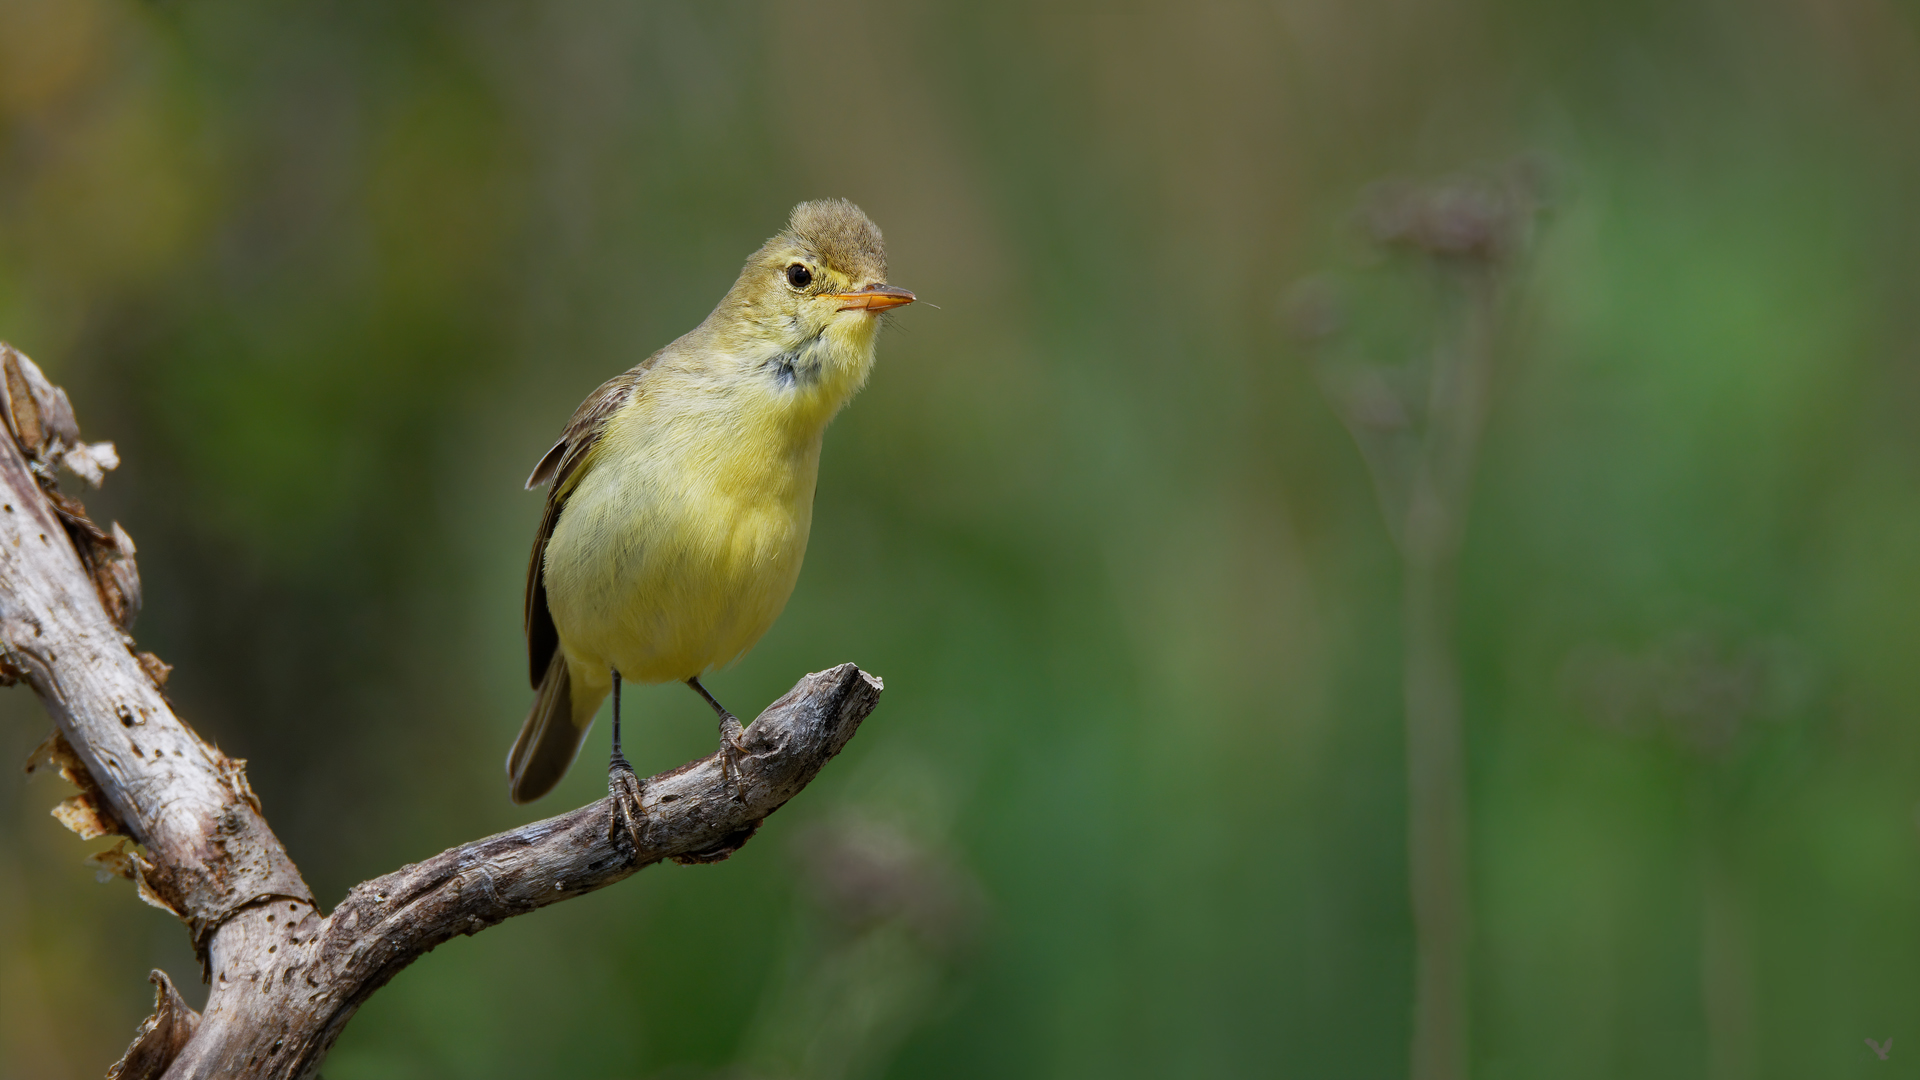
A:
[629,799]
[733,748]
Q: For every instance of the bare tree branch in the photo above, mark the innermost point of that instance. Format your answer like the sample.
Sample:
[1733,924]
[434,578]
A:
[286,979]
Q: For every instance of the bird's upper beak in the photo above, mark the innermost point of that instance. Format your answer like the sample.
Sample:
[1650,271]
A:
[875,298]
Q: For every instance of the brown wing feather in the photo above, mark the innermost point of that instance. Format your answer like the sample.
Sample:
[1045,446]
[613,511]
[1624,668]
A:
[543,638]
[558,466]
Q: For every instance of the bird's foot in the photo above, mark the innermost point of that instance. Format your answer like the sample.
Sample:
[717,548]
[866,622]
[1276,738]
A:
[628,792]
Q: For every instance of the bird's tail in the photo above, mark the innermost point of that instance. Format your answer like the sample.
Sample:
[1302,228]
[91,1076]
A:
[551,737]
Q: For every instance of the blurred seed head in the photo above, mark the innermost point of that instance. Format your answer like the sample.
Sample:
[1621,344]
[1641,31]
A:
[1696,688]
[1482,218]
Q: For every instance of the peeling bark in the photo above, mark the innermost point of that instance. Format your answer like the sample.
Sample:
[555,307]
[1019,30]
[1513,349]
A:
[161,1038]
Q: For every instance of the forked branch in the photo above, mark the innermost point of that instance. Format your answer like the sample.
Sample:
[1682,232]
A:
[286,979]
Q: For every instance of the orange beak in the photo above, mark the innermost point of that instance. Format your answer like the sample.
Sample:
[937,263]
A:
[874,298]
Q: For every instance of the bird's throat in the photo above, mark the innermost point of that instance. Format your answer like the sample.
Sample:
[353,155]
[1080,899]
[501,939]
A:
[815,378]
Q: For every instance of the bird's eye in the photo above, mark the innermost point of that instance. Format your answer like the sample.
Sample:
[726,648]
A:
[799,276]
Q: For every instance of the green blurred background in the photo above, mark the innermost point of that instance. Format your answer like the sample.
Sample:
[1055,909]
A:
[332,277]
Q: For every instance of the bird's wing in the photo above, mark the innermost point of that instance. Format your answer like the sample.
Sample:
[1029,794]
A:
[560,466]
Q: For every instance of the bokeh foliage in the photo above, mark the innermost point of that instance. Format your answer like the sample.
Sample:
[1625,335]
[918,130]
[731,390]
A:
[332,276]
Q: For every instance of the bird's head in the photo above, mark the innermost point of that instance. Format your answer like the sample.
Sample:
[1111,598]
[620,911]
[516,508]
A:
[821,281]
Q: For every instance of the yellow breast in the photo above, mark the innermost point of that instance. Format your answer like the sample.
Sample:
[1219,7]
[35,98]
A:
[680,544]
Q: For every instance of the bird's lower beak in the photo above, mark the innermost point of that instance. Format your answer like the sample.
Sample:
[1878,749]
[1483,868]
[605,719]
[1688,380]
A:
[872,298]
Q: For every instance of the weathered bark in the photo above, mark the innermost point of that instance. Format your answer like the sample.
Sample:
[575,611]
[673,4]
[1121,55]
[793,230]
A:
[285,978]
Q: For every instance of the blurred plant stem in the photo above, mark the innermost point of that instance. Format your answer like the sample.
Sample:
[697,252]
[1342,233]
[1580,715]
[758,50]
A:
[1436,771]
[1436,767]
[1419,428]
[1704,692]
[1726,976]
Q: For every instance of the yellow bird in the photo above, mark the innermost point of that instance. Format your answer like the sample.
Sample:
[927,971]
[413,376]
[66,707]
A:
[683,489]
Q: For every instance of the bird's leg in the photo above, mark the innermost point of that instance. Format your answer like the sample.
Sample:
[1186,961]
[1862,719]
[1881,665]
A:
[733,736]
[623,785]
[618,761]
